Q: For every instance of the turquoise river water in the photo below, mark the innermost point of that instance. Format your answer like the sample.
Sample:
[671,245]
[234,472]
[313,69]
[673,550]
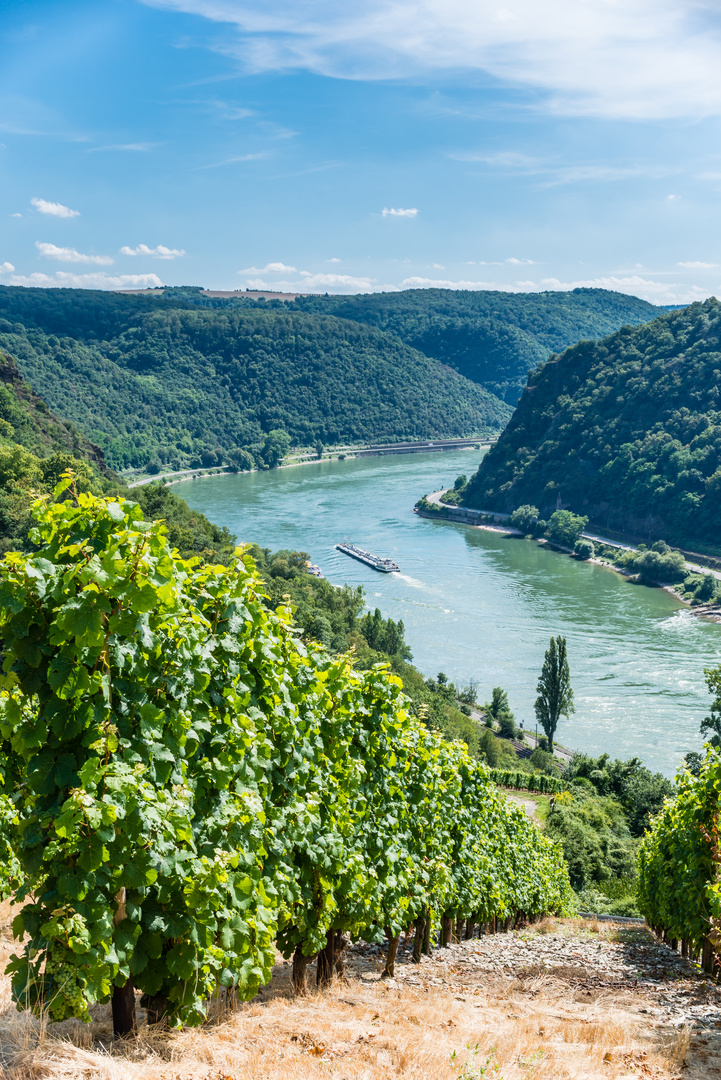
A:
[479,605]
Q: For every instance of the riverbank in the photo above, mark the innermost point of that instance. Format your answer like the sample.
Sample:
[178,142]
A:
[340,453]
[492,521]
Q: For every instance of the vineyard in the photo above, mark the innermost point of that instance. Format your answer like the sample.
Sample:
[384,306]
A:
[187,786]
[679,891]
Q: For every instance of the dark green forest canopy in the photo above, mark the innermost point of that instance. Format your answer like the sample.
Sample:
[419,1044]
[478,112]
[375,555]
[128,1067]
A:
[493,338]
[149,380]
[626,430]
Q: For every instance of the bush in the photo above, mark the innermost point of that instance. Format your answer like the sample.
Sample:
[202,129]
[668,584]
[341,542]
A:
[507,726]
[658,565]
[544,762]
[584,548]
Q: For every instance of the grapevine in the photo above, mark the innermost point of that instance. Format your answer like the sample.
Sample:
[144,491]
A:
[186,785]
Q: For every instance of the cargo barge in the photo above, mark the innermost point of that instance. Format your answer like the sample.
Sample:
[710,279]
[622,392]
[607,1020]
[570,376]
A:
[386,566]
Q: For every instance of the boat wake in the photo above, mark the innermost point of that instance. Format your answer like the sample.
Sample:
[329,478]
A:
[413,582]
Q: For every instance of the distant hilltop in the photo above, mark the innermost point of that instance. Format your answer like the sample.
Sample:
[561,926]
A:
[224,294]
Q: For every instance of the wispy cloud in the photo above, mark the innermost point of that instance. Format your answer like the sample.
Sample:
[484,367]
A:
[7,268]
[63,280]
[556,173]
[410,213]
[133,148]
[159,252]
[698,265]
[70,255]
[639,59]
[54,209]
[238,159]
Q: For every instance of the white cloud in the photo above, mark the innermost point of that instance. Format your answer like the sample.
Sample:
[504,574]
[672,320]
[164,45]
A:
[7,268]
[657,292]
[334,260]
[61,279]
[446,283]
[55,209]
[334,283]
[159,252]
[411,212]
[698,265]
[519,262]
[672,198]
[67,254]
[16,215]
[636,59]
[270,268]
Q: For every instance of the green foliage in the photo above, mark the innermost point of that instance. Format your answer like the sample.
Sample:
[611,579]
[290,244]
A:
[525,518]
[191,783]
[657,565]
[544,762]
[640,792]
[626,430]
[678,888]
[565,528]
[181,385]
[584,549]
[499,703]
[711,725]
[507,726]
[555,696]
[593,832]
[493,338]
[527,781]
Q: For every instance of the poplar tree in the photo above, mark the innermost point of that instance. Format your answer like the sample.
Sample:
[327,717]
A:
[555,696]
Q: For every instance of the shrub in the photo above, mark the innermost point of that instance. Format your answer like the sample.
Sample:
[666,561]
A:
[584,548]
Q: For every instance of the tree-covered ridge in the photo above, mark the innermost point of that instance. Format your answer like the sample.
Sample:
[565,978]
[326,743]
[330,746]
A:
[493,338]
[626,431]
[173,383]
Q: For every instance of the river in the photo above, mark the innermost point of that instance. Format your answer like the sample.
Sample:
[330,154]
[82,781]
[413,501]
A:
[479,605]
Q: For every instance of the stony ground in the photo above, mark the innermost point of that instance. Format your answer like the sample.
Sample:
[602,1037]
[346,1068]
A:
[563,999]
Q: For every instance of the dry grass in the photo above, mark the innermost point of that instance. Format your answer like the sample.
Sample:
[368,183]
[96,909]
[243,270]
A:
[359,1031]
[508,1028]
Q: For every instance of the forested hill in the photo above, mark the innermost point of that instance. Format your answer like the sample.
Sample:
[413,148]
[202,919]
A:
[626,430]
[160,380]
[493,338]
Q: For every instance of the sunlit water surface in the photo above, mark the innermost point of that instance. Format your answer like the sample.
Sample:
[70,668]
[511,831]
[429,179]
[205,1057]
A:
[478,605]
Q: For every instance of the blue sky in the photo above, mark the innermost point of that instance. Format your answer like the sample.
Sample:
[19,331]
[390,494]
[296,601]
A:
[313,145]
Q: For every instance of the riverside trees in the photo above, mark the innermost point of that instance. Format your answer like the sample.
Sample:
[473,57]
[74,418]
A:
[187,784]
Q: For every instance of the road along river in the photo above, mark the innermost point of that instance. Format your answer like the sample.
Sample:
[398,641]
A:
[480,605]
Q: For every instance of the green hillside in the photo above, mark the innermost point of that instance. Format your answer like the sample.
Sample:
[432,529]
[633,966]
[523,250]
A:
[36,447]
[156,380]
[626,431]
[493,338]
